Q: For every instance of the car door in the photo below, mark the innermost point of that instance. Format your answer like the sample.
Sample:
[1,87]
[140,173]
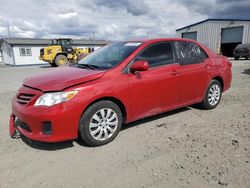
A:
[156,89]
[194,63]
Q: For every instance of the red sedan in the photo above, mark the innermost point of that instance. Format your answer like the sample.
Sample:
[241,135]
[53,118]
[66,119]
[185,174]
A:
[119,83]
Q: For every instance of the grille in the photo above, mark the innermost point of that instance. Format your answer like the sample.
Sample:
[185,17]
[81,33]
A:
[22,124]
[24,98]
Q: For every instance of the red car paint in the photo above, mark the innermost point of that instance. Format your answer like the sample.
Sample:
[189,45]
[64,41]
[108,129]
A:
[62,78]
[140,94]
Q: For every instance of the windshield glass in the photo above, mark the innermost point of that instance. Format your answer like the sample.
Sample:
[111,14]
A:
[111,55]
[243,46]
[64,42]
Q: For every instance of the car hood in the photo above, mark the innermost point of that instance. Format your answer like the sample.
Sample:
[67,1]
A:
[62,78]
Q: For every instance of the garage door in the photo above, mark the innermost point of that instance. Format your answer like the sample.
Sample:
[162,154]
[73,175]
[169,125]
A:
[190,35]
[232,35]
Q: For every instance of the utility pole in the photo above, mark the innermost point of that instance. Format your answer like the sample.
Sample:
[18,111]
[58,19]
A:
[8,28]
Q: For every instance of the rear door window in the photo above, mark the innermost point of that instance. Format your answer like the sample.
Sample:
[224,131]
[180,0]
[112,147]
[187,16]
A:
[157,54]
[189,53]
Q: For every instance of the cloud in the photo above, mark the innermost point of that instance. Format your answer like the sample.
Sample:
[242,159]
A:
[136,8]
[238,9]
[68,15]
[108,19]
[233,9]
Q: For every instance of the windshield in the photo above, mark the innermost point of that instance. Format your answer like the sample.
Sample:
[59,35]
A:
[64,42]
[109,56]
[243,46]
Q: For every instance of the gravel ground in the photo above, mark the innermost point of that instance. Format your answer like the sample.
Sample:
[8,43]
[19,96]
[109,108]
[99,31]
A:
[188,147]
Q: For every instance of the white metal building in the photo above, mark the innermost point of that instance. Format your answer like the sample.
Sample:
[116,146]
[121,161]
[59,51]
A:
[220,35]
[26,51]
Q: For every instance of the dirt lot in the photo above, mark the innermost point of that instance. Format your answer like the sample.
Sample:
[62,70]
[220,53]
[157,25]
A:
[184,148]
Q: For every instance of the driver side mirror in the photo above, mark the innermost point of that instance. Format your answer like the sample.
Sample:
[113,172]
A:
[139,66]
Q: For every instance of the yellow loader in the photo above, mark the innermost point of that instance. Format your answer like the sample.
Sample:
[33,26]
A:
[61,52]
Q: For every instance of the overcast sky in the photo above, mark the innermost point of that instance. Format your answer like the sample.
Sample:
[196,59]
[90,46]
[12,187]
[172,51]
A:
[111,19]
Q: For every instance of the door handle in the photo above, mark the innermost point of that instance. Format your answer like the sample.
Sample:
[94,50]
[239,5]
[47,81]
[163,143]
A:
[174,72]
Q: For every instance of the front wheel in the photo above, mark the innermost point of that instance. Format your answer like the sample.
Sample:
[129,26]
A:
[100,123]
[53,64]
[61,60]
[212,96]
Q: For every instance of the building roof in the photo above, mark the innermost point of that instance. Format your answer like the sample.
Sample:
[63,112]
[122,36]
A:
[36,41]
[89,42]
[27,41]
[211,20]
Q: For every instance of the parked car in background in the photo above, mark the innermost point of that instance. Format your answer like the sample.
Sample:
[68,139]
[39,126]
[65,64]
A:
[120,83]
[242,50]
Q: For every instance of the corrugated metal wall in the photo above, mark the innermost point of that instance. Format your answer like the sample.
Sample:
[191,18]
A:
[209,33]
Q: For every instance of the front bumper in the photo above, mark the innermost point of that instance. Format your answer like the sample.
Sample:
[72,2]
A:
[241,54]
[63,120]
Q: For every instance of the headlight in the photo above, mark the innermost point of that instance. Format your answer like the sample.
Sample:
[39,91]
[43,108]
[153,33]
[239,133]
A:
[49,99]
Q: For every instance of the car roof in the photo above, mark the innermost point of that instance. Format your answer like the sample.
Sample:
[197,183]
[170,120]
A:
[244,45]
[159,40]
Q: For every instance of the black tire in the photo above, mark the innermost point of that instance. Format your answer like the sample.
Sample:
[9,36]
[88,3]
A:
[205,103]
[87,117]
[53,64]
[61,60]
[236,58]
[246,58]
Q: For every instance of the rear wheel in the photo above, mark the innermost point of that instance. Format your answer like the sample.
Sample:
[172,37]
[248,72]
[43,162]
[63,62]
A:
[61,60]
[212,96]
[236,58]
[100,123]
[246,58]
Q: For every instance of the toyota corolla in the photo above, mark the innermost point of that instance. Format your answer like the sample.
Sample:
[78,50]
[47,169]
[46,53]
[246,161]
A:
[119,83]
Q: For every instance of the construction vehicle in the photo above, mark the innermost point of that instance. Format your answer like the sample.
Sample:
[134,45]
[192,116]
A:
[61,52]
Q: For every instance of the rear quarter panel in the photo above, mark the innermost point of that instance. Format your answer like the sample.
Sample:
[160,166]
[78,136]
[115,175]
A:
[221,67]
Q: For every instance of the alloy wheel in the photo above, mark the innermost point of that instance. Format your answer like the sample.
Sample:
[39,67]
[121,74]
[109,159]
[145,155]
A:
[214,94]
[103,124]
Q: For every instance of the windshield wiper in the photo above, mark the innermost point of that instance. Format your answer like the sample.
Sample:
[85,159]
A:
[93,67]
